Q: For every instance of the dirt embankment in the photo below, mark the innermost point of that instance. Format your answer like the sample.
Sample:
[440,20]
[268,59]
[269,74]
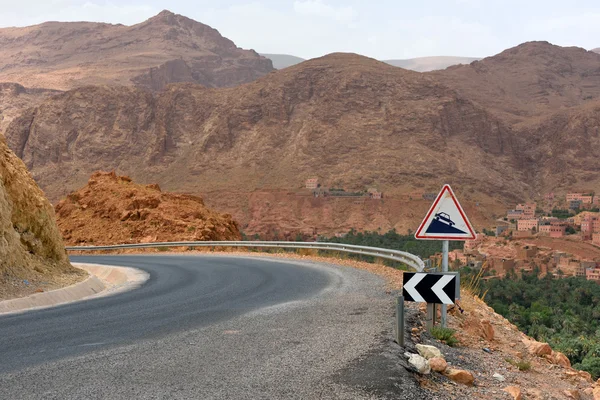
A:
[32,254]
[112,209]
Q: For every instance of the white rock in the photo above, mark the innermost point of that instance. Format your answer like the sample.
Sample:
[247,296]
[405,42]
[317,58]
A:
[499,377]
[429,351]
[420,363]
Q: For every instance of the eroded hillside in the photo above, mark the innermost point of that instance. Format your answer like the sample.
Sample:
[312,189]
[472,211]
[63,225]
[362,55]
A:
[529,80]
[348,119]
[31,248]
[113,209]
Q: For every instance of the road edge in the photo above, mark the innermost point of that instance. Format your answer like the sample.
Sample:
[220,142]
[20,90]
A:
[103,280]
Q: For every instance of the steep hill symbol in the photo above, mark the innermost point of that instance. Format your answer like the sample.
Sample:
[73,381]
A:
[443,224]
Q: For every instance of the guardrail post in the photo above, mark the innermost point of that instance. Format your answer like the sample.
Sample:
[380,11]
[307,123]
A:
[400,320]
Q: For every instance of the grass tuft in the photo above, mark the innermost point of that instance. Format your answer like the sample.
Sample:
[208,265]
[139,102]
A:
[445,335]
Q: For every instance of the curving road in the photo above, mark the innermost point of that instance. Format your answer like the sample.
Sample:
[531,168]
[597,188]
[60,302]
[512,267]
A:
[210,327]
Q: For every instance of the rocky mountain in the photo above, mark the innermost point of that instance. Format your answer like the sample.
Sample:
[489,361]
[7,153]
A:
[15,98]
[113,209]
[351,120]
[31,247]
[530,80]
[164,49]
[596,50]
[420,64]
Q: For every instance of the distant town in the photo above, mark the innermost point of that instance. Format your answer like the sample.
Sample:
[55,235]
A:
[504,249]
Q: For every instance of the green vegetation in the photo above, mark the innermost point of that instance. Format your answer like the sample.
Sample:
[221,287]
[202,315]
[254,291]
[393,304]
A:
[521,365]
[445,335]
[488,232]
[561,214]
[393,240]
[570,230]
[563,312]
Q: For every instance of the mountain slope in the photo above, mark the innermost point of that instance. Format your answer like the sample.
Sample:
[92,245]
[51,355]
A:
[529,80]
[596,50]
[164,49]
[315,119]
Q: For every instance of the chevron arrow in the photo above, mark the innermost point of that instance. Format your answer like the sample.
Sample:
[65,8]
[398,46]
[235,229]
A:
[409,287]
[435,288]
[438,289]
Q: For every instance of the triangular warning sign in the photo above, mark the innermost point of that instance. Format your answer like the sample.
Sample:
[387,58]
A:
[446,220]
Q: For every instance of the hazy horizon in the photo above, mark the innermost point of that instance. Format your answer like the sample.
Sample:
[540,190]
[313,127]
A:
[312,28]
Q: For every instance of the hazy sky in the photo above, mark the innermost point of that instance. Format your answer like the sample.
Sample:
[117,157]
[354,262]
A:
[381,29]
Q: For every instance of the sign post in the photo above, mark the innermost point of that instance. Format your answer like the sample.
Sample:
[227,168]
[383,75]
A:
[445,220]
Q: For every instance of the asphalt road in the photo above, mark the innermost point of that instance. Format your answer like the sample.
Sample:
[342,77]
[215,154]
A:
[211,327]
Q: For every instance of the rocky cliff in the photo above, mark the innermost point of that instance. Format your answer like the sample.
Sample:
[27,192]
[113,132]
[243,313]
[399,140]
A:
[112,209]
[31,247]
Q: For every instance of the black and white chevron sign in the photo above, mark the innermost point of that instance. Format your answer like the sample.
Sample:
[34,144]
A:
[434,288]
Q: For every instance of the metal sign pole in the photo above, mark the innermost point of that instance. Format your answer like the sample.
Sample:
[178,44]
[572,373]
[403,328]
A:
[445,248]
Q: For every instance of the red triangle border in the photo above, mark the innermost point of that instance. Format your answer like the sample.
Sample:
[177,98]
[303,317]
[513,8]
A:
[446,188]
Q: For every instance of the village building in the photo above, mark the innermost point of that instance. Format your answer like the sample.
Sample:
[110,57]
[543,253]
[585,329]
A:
[312,183]
[501,229]
[592,274]
[596,238]
[528,225]
[528,210]
[514,215]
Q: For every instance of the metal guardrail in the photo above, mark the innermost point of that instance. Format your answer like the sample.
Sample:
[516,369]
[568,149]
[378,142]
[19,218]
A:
[409,259]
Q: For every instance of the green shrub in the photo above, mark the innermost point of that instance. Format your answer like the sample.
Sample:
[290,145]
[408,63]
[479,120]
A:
[445,335]
[521,365]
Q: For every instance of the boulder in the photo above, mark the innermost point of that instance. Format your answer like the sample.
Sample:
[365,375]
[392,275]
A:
[514,391]
[438,364]
[572,394]
[558,358]
[487,330]
[596,393]
[429,351]
[537,348]
[586,376]
[419,363]
[460,376]
[499,377]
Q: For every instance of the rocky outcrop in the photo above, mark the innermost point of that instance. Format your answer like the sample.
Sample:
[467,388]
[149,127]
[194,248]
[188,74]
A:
[112,209]
[31,247]
[15,98]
